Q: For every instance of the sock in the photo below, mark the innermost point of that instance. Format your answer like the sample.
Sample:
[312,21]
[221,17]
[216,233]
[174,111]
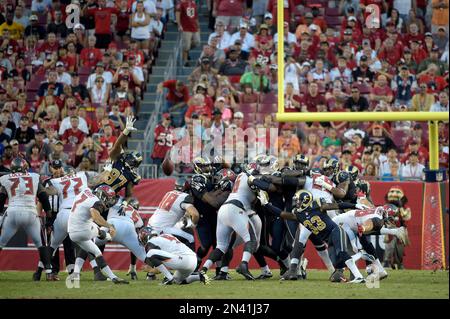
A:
[192,278]
[132,268]
[40,265]
[48,271]
[208,264]
[357,257]
[70,268]
[352,266]
[93,263]
[224,269]
[108,272]
[164,271]
[326,260]
[286,261]
[379,265]
[295,261]
[78,265]
[265,269]
[389,231]
[246,256]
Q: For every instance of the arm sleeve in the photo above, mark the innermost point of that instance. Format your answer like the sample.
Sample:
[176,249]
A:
[261,184]
[43,198]
[274,210]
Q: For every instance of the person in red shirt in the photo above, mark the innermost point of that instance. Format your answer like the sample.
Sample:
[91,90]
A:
[102,16]
[106,142]
[123,18]
[90,56]
[381,92]
[73,135]
[187,20]
[418,53]
[229,12]
[48,47]
[197,105]
[415,147]
[413,35]
[429,76]
[289,10]
[177,96]
[164,139]
[312,98]
[390,52]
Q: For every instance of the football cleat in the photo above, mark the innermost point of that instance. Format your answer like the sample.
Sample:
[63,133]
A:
[37,275]
[383,275]
[338,276]
[358,280]
[222,275]
[99,276]
[52,277]
[167,282]
[119,281]
[302,269]
[204,278]
[133,275]
[243,270]
[291,274]
[150,276]
[264,275]
[283,268]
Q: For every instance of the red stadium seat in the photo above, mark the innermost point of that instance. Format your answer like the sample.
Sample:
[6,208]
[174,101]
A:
[84,70]
[333,21]
[259,118]
[268,98]
[364,89]
[247,108]
[234,79]
[33,86]
[249,118]
[332,12]
[267,108]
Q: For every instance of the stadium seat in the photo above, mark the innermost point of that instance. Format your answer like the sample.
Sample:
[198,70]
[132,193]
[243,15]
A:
[333,21]
[259,118]
[267,108]
[234,79]
[247,108]
[268,98]
[332,12]
[84,70]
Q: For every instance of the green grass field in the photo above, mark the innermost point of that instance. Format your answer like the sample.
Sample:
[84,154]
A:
[399,284]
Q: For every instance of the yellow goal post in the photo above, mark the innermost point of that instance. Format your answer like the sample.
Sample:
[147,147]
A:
[282,116]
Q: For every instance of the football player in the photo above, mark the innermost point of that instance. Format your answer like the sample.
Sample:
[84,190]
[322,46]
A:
[166,251]
[362,186]
[21,189]
[83,226]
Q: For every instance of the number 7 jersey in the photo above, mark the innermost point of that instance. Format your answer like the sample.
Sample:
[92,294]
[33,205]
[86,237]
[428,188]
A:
[22,189]
[68,187]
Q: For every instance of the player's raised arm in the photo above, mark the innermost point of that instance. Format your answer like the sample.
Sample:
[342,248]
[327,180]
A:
[42,195]
[117,147]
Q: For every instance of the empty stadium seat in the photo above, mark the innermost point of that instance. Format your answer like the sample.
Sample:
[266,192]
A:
[332,12]
[265,108]
[333,21]
[268,98]
[247,108]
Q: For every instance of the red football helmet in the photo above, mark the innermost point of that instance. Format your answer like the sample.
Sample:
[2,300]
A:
[390,211]
[106,194]
[18,164]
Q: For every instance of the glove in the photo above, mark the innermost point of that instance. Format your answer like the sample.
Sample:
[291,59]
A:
[360,230]
[108,166]
[320,181]
[263,197]
[129,125]
[361,206]
[251,178]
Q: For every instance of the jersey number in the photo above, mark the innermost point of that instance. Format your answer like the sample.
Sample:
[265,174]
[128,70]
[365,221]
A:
[76,188]
[28,184]
[113,176]
[79,201]
[315,225]
[167,201]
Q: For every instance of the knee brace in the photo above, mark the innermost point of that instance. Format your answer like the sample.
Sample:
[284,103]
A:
[101,263]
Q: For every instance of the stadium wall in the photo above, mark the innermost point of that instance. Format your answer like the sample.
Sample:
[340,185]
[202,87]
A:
[21,254]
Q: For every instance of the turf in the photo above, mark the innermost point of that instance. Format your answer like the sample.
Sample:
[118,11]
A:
[399,284]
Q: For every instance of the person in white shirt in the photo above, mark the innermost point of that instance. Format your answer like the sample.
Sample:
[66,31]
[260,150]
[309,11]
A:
[149,6]
[288,36]
[65,123]
[99,71]
[413,169]
[442,105]
[247,39]
[224,37]
[386,167]
[63,76]
[341,71]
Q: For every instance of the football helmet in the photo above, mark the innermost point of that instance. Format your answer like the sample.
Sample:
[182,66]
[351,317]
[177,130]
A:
[331,167]
[301,162]
[145,234]
[225,179]
[181,184]
[134,202]
[132,159]
[252,168]
[202,166]
[302,199]
[267,164]
[19,165]
[106,194]
[389,212]
[353,171]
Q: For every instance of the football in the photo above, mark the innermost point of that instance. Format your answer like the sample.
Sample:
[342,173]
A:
[168,166]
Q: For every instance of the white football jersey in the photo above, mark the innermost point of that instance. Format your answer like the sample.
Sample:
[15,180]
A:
[242,192]
[69,187]
[354,217]
[22,189]
[80,216]
[171,208]
[130,214]
[317,191]
[171,244]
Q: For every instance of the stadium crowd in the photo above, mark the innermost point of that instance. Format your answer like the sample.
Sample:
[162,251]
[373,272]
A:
[334,62]
[70,73]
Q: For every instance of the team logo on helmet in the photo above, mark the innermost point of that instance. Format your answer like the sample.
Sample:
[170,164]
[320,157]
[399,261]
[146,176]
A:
[331,167]
[145,234]
[301,161]
[132,159]
[181,184]
[353,171]
[202,166]
[302,199]
[107,195]
[19,165]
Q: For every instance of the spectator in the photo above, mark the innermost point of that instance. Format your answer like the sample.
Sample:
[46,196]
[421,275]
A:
[140,22]
[100,72]
[91,55]
[287,144]
[238,120]
[362,73]
[341,71]
[204,73]
[34,28]
[378,135]
[319,74]
[222,37]
[370,171]
[312,147]
[225,109]
[102,18]
[356,102]
[177,96]
[79,90]
[24,133]
[197,105]
[429,76]
[256,78]
[123,97]
[52,79]
[391,166]
[439,14]
[233,65]
[63,77]
[422,100]
[164,139]
[412,169]
[66,122]
[291,100]
[404,84]
[35,159]
[20,17]
[15,29]
[381,92]
[58,26]
[433,58]
[229,13]
[441,38]
[442,105]
[87,148]
[187,20]
[73,135]
[44,149]
[331,138]
[99,92]
[248,96]
[312,98]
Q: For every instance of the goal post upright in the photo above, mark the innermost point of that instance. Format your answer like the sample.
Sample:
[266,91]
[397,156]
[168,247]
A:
[282,116]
